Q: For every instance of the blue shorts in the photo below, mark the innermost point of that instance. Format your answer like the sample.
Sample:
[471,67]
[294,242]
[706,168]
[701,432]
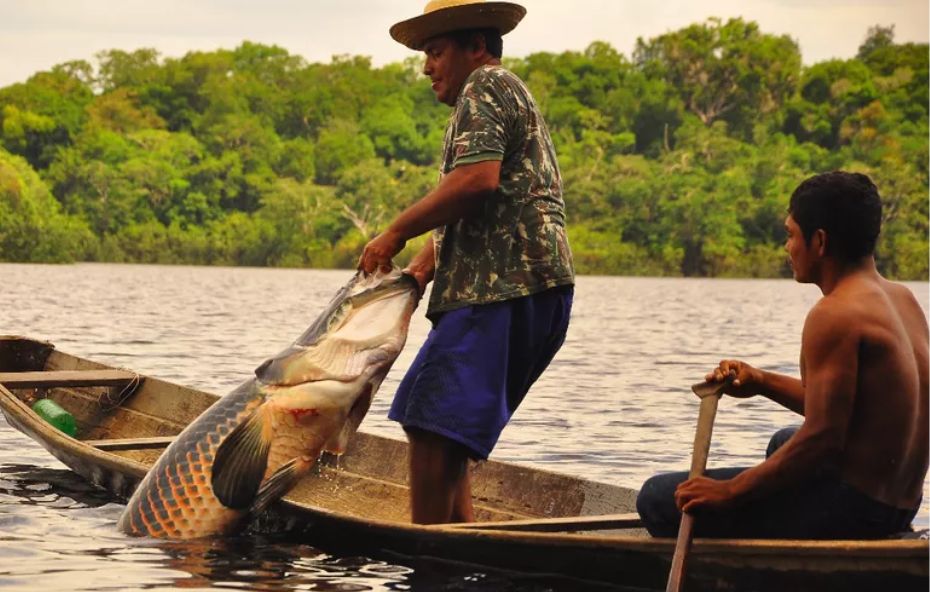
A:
[477,364]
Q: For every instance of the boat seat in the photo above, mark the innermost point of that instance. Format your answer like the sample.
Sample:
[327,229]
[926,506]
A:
[61,378]
[114,444]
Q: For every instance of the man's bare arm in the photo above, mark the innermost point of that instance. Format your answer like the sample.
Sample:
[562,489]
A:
[830,352]
[460,193]
[787,391]
[829,348]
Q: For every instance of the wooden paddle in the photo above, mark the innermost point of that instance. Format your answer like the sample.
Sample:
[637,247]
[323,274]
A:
[709,392]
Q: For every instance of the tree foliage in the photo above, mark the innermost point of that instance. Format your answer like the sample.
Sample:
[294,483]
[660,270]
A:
[677,160]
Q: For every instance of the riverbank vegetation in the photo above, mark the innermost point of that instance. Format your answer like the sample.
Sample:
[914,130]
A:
[677,159]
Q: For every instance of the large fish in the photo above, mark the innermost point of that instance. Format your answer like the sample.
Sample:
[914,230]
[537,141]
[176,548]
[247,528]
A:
[250,447]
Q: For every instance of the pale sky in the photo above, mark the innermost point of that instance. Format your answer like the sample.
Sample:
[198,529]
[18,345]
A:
[37,34]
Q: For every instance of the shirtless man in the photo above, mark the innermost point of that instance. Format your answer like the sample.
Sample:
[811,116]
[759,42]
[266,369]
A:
[855,468]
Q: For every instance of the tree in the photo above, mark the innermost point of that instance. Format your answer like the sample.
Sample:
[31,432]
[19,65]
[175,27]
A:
[371,193]
[42,115]
[121,69]
[120,111]
[32,227]
[830,92]
[725,71]
[676,161]
[340,146]
[878,37]
[393,130]
[304,217]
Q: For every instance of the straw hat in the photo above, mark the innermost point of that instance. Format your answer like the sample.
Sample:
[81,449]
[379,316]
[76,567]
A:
[445,16]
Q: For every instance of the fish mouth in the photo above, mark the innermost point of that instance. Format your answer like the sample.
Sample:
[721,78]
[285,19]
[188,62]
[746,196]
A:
[378,286]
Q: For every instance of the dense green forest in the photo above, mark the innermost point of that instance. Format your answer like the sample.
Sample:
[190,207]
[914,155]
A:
[677,160]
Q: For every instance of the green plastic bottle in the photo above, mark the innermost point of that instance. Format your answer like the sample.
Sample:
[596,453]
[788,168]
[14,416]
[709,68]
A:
[56,415]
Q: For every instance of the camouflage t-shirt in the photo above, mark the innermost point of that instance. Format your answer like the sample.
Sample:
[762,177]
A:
[516,245]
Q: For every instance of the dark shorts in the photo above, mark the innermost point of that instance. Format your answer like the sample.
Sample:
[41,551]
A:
[824,507]
[478,363]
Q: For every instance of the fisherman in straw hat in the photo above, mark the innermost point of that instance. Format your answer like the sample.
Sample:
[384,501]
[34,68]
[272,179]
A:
[499,260]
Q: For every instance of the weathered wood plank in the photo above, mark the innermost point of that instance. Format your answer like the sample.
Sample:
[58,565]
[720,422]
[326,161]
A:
[562,524]
[131,443]
[61,378]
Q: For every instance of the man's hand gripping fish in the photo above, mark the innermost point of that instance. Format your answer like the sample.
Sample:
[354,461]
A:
[253,445]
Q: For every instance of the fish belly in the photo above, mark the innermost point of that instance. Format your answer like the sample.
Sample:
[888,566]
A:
[299,437]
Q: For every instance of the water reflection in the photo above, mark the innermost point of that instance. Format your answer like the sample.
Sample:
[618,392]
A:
[58,532]
[264,564]
[62,488]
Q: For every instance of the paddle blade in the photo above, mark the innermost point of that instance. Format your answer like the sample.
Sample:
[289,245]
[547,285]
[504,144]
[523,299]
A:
[676,575]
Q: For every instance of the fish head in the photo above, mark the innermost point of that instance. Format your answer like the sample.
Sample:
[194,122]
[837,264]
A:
[361,330]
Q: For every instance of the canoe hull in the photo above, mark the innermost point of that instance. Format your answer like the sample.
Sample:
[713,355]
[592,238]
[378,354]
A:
[359,505]
[636,561]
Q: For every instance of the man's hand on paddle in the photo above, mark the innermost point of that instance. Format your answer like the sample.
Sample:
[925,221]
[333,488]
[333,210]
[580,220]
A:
[380,250]
[703,492]
[742,379]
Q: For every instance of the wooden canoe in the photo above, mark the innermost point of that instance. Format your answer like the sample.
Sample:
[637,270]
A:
[529,520]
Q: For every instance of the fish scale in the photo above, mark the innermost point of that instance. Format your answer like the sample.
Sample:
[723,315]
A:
[252,445]
[188,462]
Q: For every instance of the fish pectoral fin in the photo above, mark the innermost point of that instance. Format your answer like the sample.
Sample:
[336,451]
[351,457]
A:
[279,483]
[240,463]
[338,443]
